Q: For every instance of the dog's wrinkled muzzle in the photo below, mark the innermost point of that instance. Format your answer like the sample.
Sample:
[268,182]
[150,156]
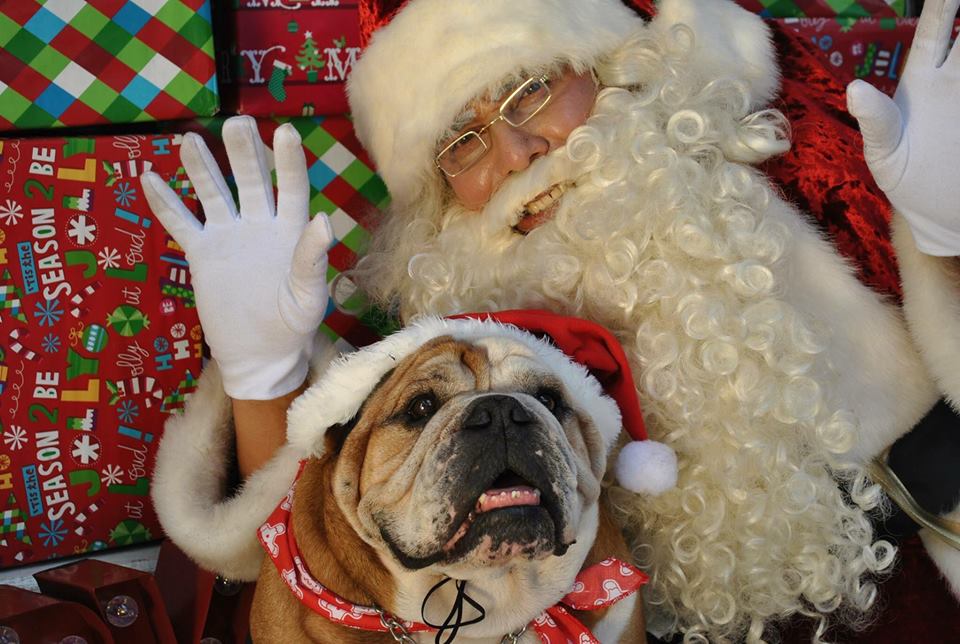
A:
[508,481]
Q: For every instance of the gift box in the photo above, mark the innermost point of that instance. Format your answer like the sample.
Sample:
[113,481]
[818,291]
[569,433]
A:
[289,57]
[343,187]
[874,50]
[100,341]
[828,8]
[70,63]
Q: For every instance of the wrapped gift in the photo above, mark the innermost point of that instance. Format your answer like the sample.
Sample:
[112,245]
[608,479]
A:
[870,49]
[289,57]
[70,63]
[343,187]
[100,341]
[828,8]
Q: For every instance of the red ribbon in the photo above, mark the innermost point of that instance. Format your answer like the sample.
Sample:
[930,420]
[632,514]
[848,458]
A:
[596,587]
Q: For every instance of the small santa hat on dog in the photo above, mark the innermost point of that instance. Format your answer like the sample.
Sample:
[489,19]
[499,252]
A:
[584,355]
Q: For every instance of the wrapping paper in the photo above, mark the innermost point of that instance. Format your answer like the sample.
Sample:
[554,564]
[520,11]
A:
[871,49]
[827,8]
[99,341]
[289,57]
[71,62]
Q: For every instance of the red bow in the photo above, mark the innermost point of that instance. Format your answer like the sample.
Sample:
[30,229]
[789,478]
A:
[596,587]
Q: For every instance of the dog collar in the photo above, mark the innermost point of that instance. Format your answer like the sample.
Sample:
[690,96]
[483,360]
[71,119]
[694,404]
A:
[595,588]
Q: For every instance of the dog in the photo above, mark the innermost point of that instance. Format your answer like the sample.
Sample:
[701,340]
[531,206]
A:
[473,460]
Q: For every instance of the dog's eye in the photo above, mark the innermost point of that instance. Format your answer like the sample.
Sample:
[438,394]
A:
[550,399]
[422,407]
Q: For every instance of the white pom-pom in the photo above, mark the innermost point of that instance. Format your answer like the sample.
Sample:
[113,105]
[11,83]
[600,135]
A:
[647,467]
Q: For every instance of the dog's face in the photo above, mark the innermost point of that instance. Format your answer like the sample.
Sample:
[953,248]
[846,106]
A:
[469,454]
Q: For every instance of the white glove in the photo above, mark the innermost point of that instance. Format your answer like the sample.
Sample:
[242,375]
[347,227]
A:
[912,143]
[259,275]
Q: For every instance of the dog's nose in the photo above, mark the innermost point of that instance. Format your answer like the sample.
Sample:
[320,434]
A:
[496,412]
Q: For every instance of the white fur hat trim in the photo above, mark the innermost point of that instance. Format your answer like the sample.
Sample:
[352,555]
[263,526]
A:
[342,390]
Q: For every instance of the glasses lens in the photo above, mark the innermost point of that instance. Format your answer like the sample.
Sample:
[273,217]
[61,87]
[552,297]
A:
[462,153]
[526,101]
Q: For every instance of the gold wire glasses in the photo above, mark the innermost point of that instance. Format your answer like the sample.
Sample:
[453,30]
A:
[520,106]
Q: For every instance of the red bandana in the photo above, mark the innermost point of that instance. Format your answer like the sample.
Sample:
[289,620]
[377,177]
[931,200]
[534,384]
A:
[596,587]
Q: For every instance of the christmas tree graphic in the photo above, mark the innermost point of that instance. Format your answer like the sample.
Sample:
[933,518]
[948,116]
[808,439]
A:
[309,59]
[13,522]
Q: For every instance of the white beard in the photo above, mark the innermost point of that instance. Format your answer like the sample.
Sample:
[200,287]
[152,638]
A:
[684,255]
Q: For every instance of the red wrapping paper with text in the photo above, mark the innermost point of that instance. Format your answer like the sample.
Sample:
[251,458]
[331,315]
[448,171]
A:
[99,336]
[290,57]
[870,49]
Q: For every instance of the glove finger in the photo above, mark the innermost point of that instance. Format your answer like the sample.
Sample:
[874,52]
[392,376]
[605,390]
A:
[952,63]
[310,256]
[248,160]
[167,207]
[207,179]
[879,117]
[293,184]
[934,29]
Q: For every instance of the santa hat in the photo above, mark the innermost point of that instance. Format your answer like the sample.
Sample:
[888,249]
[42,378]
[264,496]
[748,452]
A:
[449,52]
[427,59]
[585,356]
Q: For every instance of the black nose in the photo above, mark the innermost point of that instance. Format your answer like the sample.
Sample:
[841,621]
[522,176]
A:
[496,412]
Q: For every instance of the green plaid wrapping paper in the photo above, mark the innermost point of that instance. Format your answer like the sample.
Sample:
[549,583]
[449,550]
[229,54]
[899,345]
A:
[343,187]
[75,62]
[827,8]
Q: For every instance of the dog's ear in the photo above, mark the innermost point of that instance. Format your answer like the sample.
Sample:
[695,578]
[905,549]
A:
[334,437]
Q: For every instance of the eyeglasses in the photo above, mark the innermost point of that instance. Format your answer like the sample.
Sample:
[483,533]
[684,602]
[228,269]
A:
[518,108]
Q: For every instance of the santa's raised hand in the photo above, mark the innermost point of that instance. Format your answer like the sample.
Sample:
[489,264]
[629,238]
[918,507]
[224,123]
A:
[259,273]
[912,142]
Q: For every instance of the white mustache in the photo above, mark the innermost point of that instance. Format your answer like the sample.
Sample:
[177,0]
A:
[505,207]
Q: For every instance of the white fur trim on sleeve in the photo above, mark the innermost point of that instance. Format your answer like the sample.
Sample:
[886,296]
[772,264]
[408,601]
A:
[931,304]
[189,484]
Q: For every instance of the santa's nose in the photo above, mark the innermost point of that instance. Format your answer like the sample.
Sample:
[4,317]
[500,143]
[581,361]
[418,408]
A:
[516,147]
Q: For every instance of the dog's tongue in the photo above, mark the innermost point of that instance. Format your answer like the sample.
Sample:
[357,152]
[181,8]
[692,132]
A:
[506,497]
[494,499]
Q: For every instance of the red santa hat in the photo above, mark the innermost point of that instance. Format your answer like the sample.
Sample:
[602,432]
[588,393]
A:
[425,60]
[585,356]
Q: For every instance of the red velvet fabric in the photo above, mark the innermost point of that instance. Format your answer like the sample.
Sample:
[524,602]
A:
[375,14]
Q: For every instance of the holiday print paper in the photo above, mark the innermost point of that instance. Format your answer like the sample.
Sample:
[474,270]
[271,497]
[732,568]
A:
[74,62]
[290,57]
[874,50]
[99,341]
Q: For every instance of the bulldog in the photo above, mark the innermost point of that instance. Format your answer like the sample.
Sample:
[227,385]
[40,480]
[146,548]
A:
[476,459]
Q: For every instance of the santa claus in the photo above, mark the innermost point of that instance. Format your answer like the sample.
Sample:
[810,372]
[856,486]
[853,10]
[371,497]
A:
[575,156]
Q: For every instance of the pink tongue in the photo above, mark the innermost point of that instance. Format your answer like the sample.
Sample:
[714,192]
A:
[507,497]
[494,499]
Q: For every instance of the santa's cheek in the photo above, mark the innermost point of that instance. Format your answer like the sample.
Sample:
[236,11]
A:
[570,110]
[474,188]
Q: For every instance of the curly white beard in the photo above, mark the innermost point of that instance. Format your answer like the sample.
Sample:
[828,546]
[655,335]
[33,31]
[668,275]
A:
[683,252]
